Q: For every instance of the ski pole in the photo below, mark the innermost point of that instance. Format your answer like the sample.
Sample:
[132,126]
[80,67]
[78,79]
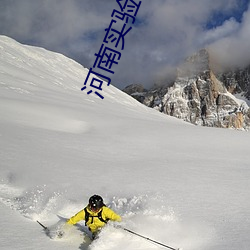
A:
[45,228]
[146,238]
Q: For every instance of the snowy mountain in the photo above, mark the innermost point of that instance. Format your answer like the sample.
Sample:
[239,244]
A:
[182,185]
[237,81]
[201,96]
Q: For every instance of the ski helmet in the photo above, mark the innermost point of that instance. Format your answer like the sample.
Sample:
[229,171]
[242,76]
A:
[95,202]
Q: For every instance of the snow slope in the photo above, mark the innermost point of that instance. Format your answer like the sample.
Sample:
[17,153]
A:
[176,183]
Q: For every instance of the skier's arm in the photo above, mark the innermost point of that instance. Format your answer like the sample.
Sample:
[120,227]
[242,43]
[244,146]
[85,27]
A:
[110,214]
[77,217]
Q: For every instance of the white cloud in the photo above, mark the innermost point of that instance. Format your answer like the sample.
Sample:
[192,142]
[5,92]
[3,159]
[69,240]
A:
[233,50]
[228,28]
[169,31]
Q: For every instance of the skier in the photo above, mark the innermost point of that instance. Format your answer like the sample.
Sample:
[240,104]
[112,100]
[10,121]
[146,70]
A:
[95,214]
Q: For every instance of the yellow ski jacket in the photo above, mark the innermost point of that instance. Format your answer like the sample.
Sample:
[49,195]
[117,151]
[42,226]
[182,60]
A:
[94,223]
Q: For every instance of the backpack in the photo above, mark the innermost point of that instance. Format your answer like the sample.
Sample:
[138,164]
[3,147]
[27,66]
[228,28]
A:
[88,216]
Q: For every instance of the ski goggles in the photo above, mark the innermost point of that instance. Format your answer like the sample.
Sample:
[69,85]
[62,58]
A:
[94,208]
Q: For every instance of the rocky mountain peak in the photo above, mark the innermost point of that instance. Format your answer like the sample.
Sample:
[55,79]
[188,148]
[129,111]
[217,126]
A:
[196,64]
[202,97]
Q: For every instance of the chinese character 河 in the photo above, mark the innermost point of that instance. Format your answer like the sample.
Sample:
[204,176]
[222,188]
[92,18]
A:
[95,83]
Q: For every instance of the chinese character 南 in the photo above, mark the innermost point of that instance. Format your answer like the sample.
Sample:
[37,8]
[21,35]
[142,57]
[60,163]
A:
[106,58]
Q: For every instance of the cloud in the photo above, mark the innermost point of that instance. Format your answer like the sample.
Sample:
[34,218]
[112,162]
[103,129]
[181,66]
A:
[228,28]
[233,49]
[173,31]
[166,32]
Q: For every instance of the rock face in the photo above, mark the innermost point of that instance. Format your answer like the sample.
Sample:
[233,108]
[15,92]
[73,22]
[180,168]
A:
[237,81]
[136,90]
[201,97]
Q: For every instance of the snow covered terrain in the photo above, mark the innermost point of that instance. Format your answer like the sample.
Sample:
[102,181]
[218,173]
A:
[176,183]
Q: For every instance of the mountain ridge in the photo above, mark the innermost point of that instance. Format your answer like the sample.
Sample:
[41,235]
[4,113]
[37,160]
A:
[201,95]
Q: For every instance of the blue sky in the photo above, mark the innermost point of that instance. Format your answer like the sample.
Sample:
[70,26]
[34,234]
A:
[166,32]
[218,17]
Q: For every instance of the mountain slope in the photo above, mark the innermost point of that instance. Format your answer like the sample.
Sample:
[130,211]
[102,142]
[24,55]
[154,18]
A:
[202,97]
[182,185]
